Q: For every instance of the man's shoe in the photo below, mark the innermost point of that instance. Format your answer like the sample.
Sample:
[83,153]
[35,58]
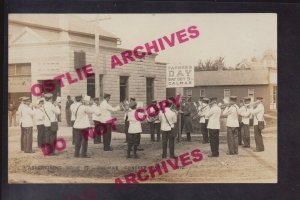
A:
[108,149]
[257,150]
[140,149]
[229,154]
[211,155]
[173,157]
[163,156]
[85,156]
[136,156]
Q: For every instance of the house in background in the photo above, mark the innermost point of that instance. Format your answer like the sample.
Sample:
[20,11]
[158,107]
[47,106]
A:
[42,46]
[257,77]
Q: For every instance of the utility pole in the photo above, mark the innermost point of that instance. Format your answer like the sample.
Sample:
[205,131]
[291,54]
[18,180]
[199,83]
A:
[95,23]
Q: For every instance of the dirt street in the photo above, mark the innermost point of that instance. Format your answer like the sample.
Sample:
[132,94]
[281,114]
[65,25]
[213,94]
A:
[104,167]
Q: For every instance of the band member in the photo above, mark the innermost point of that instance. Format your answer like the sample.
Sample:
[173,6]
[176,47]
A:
[181,113]
[240,124]
[200,105]
[195,117]
[96,120]
[259,124]
[12,109]
[20,113]
[125,107]
[168,120]
[134,130]
[245,112]
[105,117]
[187,110]
[73,107]
[154,126]
[231,111]
[81,126]
[213,127]
[27,124]
[58,102]
[51,110]
[204,119]
[68,110]
[40,118]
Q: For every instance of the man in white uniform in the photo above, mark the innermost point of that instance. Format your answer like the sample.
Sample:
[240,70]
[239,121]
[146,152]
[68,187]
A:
[21,106]
[204,119]
[27,124]
[213,127]
[105,120]
[168,120]
[259,123]
[231,111]
[96,120]
[81,126]
[51,111]
[39,119]
[245,112]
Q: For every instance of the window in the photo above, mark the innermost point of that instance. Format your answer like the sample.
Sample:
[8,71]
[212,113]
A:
[123,88]
[226,94]
[189,92]
[91,86]
[79,59]
[251,94]
[101,92]
[19,69]
[202,92]
[149,90]
[56,92]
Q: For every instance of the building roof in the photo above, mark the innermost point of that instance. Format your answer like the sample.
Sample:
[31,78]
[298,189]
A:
[232,77]
[68,22]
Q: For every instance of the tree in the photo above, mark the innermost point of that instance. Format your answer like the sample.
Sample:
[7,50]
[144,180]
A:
[211,65]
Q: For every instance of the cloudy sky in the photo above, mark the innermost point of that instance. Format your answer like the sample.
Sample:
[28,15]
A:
[233,36]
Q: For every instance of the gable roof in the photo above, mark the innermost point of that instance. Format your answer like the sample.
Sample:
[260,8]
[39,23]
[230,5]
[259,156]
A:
[68,22]
[232,77]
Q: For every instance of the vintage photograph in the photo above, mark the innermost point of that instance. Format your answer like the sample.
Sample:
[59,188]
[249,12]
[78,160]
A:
[142,98]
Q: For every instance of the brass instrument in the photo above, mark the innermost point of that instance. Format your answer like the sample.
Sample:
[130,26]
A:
[201,109]
[223,106]
[254,104]
[124,106]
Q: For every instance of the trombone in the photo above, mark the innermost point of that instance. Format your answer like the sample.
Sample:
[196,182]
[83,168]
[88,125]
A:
[196,116]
